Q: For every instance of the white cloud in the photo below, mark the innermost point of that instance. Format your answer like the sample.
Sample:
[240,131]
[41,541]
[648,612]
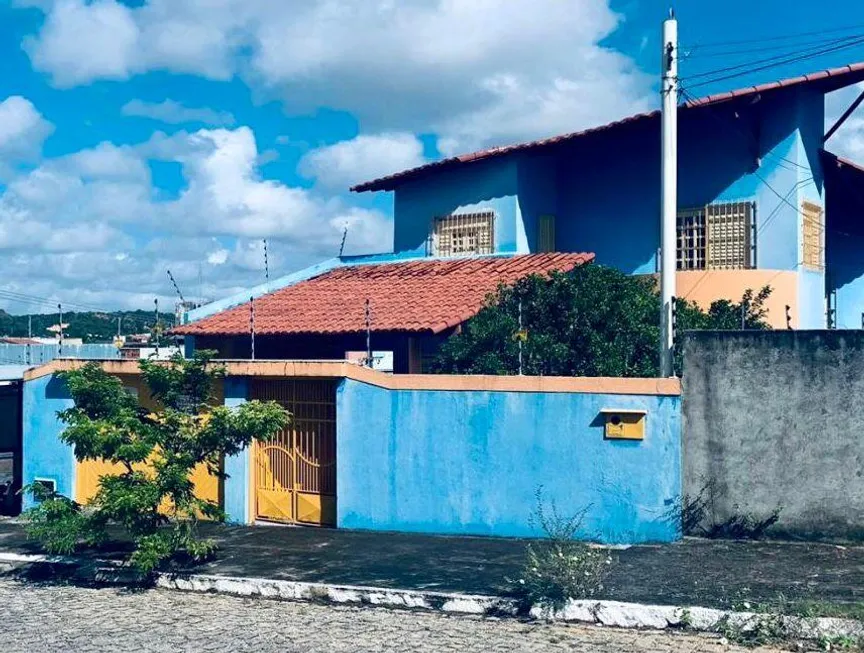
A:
[849,139]
[362,158]
[22,132]
[175,113]
[80,42]
[466,69]
[90,227]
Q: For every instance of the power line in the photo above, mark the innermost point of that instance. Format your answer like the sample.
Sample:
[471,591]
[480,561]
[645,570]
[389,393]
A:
[780,37]
[696,52]
[12,294]
[850,40]
[775,64]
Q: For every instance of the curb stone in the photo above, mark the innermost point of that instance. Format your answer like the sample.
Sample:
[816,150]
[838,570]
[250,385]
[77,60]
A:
[604,613]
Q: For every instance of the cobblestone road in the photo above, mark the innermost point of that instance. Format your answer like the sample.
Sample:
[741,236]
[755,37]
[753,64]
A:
[62,618]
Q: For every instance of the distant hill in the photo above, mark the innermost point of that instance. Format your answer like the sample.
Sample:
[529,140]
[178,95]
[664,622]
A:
[90,325]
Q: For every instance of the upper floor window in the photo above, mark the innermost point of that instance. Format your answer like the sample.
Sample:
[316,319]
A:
[813,236]
[463,234]
[717,237]
[546,233]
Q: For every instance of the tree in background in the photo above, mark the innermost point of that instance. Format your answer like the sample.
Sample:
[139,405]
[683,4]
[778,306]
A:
[152,499]
[591,321]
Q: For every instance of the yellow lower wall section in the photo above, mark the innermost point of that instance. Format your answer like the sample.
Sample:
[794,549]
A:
[706,286]
[88,472]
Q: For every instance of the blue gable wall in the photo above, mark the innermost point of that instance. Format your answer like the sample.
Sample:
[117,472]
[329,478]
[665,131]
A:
[44,455]
[610,189]
[479,186]
[471,462]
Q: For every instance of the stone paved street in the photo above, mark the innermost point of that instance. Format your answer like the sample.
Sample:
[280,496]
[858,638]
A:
[65,618]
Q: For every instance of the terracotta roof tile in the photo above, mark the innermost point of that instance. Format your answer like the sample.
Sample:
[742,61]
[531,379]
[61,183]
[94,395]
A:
[826,80]
[416,296]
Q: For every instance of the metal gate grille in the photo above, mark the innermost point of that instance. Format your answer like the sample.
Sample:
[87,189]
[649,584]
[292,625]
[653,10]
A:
[295,473]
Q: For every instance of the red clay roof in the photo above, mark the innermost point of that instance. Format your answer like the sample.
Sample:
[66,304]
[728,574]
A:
[825,80]
[413,296]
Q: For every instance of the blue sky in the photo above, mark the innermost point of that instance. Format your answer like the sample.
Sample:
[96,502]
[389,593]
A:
[148,135]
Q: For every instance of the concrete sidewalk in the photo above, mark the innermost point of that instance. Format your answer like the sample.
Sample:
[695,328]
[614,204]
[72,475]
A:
[716,574]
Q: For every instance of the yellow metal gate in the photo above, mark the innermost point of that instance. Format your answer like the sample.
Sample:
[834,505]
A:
[295,473]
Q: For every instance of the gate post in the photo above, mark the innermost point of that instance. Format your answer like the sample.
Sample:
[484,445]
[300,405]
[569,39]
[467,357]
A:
[237,488]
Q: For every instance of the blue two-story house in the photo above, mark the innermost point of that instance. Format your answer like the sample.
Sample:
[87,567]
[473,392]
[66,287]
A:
[752,199]
[761,203]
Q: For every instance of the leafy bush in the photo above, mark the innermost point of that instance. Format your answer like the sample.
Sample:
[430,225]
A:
[559,568]
[153,498]
[591,321]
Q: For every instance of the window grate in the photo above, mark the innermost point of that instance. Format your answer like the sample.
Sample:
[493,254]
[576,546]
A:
[814,236]
[716,237]
[691,240]
[463,234]
[729,235]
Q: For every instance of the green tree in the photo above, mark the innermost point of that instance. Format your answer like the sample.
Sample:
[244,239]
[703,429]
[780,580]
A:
[153,498]
[591,321]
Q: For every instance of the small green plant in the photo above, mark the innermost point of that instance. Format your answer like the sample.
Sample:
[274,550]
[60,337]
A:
[760,630]
[153,498]
[840,643]
[558,568]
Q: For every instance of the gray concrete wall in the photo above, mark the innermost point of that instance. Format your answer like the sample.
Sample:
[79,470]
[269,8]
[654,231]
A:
[776,419]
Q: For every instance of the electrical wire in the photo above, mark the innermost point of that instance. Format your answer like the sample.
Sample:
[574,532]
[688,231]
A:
[850,40]
[780,37]
[46,301]
[696,53]
[789,60]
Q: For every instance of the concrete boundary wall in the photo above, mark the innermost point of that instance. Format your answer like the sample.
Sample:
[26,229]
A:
[774,420]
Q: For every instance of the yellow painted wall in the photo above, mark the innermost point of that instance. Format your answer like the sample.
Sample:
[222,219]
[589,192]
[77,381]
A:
[88,472]
[706,286]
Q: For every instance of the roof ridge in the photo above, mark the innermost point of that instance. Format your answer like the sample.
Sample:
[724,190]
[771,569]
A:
[386,182]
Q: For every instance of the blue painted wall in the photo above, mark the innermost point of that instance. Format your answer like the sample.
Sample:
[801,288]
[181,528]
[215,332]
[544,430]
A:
[538,196]
[44,455]
[480,186]
[466,462]
[609,188]
[811,297]
[844,245]
[846,270]
[236,486]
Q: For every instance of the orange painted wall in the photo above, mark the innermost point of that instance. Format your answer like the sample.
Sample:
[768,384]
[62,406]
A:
[704,287]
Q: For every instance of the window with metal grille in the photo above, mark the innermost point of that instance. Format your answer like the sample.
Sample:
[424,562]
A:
[717,237]
[546,233]
[463,234]
[814,236]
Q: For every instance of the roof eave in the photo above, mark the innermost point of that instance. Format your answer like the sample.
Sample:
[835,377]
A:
[827,79]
